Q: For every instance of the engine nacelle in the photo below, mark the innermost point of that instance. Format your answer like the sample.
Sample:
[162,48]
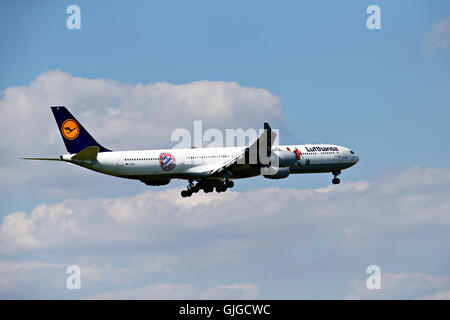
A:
[275,173]
[156,182]
[282,158]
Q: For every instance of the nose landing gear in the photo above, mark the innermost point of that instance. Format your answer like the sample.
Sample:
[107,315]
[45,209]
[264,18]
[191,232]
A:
[336,180]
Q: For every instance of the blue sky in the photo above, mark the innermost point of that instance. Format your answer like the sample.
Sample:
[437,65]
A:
[384,93]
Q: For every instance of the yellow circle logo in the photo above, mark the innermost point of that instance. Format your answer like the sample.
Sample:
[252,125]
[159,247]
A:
[70,129]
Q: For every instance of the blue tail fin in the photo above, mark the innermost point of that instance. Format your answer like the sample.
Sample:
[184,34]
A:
[74,135]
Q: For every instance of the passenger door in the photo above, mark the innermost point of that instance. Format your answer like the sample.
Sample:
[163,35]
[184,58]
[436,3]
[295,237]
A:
[120,164]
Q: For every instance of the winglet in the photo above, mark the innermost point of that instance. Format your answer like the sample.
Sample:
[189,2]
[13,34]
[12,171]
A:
[251,153]
[269,141]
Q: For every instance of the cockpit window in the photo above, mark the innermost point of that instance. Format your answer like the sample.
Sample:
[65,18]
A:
[352,152]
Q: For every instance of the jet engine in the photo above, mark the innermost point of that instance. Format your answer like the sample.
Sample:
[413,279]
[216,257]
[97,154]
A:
[283,158]
[156,182]
[275,173]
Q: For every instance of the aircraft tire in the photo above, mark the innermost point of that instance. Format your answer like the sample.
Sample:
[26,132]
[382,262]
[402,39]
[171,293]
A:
[336,181]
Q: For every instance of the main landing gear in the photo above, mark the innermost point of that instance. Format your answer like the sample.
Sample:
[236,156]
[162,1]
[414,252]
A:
[207,187]
[224,185]
[336,180]
[191,188]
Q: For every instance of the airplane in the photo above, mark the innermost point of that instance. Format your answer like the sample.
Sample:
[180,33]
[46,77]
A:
[205,168]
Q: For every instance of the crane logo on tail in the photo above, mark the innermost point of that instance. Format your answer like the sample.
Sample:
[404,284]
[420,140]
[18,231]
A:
[70,129]
[167,161]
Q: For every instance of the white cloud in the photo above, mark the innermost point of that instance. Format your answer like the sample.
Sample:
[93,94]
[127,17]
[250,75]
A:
[247,291]
[161,235]
[120,116]
[183,291]
[440,295]
[147,217]
[439,36]
[94,272]
[13,273]
[412,197]
[404,286]
[126,116]
[156,291]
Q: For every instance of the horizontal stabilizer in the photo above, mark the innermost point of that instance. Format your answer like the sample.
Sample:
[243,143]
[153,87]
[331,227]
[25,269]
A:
[87,154]
[48,159]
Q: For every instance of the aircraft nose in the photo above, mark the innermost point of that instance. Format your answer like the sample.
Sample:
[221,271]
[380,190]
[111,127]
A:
[355,159]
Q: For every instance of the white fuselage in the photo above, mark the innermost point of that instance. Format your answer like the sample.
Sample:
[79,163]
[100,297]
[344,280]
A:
[194,163]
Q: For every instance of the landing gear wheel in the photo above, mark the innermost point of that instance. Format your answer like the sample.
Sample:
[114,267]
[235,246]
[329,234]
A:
[230,184]
[221,188]
[191,188]
[186,193]
[336,181]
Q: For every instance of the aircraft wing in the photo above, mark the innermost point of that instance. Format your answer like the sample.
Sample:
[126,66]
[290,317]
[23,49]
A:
[228,163]
[266,139]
